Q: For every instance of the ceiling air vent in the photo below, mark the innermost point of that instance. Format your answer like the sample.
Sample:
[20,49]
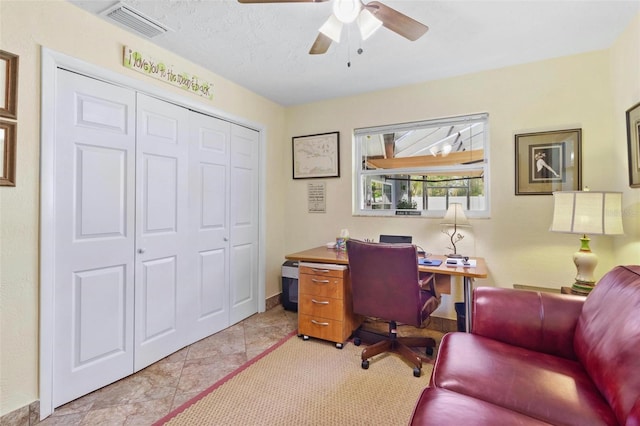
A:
[132,19]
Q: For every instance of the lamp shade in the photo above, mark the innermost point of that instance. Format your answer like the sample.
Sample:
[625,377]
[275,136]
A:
[455,216]
[587,212]
[368,24]
[332,28]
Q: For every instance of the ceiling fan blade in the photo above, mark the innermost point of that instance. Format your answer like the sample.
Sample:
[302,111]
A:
[397,22]
[281,1]
[321,45]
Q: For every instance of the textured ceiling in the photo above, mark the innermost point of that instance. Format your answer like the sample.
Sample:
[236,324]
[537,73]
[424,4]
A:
[263,47]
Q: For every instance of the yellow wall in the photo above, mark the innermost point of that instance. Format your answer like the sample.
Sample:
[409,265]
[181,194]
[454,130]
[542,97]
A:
[25,26]
[590,91]
[625,77]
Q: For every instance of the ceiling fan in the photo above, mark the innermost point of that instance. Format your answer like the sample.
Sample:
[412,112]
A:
[369,17]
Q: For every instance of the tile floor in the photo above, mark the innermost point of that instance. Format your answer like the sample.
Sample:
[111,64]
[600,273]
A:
[153,392]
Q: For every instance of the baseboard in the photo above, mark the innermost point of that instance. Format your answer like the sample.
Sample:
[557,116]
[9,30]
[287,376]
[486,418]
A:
[25,416]
[444,325]
[272,302]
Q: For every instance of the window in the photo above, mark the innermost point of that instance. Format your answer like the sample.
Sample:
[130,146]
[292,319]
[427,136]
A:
[417,169]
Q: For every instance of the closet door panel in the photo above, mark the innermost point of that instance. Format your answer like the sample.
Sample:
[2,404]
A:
[101,210]
[94,238]
[164,270]
[213,208]
[212,300]
[159,197]
[209,153]
[244,205]
[99,307]
[159,288]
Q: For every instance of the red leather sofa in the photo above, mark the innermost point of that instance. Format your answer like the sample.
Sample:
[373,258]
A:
[542,358]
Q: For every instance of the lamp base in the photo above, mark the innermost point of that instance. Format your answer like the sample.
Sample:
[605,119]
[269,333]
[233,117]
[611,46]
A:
[454,256]
[585,261]
[582,288]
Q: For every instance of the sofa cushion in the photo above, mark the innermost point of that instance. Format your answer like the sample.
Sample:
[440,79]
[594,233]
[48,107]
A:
[549,388]
[441,407]
[607,338]
[542,322]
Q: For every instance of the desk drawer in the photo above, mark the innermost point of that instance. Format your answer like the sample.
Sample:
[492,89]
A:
[321,271]
[323,307]
[321,328]
[321,286]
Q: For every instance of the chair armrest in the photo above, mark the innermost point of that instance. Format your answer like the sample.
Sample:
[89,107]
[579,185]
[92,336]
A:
[543,322]
[428,282]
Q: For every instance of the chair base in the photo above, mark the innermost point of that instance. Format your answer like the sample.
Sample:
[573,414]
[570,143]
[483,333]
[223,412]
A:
[400,345]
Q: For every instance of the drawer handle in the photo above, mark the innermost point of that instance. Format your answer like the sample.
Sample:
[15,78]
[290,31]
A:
[324,271]
[326,302]
[320,281]
[320,323]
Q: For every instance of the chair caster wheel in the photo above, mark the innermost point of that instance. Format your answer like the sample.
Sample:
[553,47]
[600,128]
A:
[416,372]
[365,364]
[429,351]
[357,341]
[339,345]
[305,337]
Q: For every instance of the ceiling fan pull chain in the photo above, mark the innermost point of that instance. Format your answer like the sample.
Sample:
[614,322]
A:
[348,48]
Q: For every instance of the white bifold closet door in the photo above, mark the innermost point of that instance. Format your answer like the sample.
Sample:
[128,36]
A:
[163,266]
[156,231]
[224,160]
[94,235]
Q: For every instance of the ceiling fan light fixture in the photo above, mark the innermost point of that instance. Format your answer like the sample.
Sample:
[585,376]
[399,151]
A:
[368,24]
[346,10]
[332,28]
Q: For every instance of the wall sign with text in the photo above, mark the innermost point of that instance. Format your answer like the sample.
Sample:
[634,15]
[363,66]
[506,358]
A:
[145,64]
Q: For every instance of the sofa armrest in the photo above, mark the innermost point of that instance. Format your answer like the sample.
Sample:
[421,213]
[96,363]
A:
[543,322]
[634,416]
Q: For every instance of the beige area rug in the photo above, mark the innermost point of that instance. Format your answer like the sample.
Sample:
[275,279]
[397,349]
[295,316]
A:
[299,382]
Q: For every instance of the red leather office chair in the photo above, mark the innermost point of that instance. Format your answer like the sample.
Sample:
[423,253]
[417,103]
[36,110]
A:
[385,284]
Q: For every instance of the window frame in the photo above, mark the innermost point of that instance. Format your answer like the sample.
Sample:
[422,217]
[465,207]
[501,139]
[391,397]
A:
[360,174]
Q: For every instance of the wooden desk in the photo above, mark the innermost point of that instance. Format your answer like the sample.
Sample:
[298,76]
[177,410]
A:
[325,255]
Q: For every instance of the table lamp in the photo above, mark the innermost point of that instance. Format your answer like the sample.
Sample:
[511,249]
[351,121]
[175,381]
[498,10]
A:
[586,212]
[454,217]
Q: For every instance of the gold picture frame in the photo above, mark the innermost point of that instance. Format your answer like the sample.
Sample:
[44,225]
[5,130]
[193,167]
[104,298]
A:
[8,85]
[8,148]
[548,161]
[633,143]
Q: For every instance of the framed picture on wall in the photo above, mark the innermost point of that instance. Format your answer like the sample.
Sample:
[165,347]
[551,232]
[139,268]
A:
[548,162]
[633,142]
[316,156]
[8,147]
[8,84]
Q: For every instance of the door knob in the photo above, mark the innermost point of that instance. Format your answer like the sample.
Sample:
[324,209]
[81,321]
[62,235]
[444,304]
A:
[140,250]
[226,239]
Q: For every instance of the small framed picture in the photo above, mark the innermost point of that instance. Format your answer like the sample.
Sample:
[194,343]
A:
[633,143]
[548,162]
[8,84]
[8,158]
[316,156]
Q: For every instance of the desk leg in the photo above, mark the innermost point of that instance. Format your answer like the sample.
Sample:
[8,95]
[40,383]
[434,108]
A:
[468,288]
